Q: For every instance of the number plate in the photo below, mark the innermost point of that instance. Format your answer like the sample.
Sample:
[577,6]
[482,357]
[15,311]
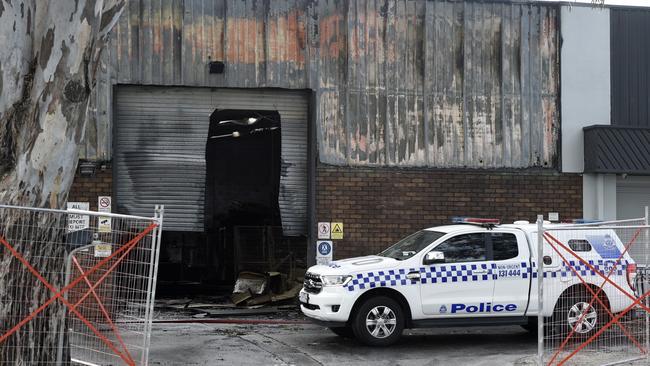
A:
[304,297]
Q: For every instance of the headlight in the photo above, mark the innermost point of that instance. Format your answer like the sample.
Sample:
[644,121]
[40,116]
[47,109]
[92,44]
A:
[335,280]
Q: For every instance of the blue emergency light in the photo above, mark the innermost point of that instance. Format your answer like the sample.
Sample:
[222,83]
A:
[474,220]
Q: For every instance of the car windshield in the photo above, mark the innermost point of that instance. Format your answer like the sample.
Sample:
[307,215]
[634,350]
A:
[411,245]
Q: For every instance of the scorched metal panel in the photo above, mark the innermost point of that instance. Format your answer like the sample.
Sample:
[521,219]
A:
[160,137]
[450,84]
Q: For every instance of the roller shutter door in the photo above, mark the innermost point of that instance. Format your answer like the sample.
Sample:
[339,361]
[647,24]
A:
[632,195]
[159,150]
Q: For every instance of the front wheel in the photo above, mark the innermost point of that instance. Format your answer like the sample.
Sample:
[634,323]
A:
[379,322]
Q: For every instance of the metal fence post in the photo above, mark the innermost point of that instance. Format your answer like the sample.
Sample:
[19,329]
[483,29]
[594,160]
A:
[540,289]
[151,286]
[643,281]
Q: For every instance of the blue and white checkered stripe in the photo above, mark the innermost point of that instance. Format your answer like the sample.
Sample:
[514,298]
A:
[379,279]
[435,274]
[465,273]
[602,266]
[457,273]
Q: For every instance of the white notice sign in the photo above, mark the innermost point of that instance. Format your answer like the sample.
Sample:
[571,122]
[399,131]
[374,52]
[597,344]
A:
[103,249]
[104,205]
[78,222]
[323,230]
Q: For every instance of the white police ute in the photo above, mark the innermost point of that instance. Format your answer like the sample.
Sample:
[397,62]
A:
[473,273]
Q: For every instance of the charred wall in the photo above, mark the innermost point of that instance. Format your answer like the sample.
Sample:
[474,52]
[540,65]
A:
[396,82]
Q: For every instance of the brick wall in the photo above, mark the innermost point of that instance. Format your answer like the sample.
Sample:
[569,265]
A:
[87,189]
[378,206]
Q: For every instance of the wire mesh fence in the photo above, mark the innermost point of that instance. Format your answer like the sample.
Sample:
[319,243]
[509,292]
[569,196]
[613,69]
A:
[595,293]
[76,286]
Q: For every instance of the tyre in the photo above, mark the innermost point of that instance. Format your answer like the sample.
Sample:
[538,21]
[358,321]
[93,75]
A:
[573,311]
[378,322]
[345,332]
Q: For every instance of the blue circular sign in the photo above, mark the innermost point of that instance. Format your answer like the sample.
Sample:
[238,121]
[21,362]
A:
[324,248]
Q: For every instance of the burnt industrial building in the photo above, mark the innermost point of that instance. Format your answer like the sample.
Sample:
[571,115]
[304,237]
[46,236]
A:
[252,120]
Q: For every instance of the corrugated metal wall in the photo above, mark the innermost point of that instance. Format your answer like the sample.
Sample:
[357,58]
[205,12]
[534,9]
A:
[630,67]
[397,82]
[443,84]
[161,135]
[170,42]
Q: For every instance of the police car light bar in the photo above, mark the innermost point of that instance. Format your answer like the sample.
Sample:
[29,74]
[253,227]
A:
[474,220]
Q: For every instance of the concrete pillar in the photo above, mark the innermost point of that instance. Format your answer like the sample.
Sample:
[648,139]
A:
[599,196]
[585,78]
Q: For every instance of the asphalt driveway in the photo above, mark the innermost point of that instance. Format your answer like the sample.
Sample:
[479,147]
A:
[307,344]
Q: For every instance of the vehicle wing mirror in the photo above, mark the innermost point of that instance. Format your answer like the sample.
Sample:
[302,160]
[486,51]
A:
[433,257]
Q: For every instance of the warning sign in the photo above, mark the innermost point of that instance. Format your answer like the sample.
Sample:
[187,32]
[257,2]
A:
[104,202]
[337,230]
[323,230]
[104,205]
[78,222]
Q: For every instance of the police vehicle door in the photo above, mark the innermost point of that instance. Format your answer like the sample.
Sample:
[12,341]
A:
[511,260]
[463,285]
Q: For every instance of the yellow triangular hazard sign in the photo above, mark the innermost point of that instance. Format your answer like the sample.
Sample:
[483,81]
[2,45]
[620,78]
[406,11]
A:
[337,230]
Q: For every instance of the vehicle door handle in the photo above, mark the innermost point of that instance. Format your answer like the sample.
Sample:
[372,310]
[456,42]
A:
[479,271]
[413,276]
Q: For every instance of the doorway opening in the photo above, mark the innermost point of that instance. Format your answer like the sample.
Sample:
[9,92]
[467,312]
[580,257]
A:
[242,212]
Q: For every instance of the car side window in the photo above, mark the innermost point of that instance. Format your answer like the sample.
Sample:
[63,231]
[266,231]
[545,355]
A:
[464,248]
[579,245]
[504,246]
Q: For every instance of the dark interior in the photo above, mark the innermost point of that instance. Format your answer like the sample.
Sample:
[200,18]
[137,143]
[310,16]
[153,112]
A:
[242,185]
[243,226]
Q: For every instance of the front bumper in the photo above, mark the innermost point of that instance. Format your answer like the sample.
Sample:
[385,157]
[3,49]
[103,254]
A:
[325,300]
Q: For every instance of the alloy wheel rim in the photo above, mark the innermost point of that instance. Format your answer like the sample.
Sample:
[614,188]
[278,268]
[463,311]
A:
[381,321]
[587,322]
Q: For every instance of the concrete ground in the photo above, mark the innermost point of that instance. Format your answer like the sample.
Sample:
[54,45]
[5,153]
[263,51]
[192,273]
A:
[308,344]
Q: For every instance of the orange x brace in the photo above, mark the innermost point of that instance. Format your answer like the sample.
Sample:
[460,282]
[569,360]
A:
[595,296]
[122,252]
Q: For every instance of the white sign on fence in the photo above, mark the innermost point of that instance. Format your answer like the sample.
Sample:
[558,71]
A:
[78,222]
[102,249]
[104,205]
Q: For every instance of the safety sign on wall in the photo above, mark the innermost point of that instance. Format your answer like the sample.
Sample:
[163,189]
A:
[104,205]
[337,230]
[78,222]
[324,250]
[323,230]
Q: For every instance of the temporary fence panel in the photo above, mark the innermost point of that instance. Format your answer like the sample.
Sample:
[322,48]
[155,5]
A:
[76,286]
[594,293]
